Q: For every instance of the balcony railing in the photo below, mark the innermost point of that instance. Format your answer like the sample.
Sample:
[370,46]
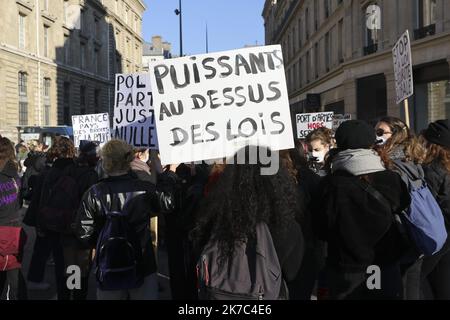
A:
[425,32]
[371,49]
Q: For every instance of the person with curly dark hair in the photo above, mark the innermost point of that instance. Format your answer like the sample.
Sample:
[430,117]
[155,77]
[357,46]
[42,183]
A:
[239,200]
[397,147]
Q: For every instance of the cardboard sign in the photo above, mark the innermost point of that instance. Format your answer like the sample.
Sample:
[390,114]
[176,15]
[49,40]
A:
[134,119]
[404,83]
[307,122]
[210,106]
[91,127]
[338,119]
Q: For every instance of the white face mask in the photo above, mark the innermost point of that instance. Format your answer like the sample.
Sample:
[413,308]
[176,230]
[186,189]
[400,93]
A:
[319,155]
[381,141]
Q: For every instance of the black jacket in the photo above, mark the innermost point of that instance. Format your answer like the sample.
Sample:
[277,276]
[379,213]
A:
[438,180]
[146,201]
[10,203]
[84,175]
[359,229]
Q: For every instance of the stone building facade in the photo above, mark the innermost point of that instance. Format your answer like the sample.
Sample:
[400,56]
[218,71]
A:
[338,55]
[58,58]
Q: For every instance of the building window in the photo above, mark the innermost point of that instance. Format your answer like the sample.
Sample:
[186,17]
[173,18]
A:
[427,13]
[82,13]
[340,41]
[307,23]
[97,61]
[66,104]
[97,29]
[47,104]
[46,41]
[23,99]
[371,24]
[65,10]
[82,100]
[47,83]
[47,109]
[299,28]
[22,32]
[308,66]
[426,17]
[66,49]
[317,60]
[300,74]
[327,52]
[82,56]
[97,101]
[316,15]
[326,4]
[22,84]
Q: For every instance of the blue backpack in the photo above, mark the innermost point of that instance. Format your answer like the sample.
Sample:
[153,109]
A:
[423,219]
[118,251]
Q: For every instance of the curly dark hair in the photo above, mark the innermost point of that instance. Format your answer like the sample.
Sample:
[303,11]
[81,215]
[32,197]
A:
[62,147]
[240,199]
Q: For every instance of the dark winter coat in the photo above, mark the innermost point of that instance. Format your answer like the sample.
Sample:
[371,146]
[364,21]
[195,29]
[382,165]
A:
[84,175]
[359,230]
[438,180]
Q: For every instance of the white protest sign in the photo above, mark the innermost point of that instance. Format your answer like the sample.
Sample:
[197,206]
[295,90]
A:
[404,84]
[307,122]
[91,127]
[210,106]
[134,119]
[339,119]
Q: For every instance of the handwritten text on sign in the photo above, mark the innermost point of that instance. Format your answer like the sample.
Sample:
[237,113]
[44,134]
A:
[210,106]
[404,84]
[91,127]
[307,122]
[134,119]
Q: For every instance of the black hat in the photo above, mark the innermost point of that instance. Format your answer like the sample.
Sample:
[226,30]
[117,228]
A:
[438,133]
[88,147]
[355,134]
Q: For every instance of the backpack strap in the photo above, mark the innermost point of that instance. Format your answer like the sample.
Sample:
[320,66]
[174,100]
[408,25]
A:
[377,195]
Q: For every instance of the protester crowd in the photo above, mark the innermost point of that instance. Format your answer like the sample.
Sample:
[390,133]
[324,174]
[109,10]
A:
[340,204]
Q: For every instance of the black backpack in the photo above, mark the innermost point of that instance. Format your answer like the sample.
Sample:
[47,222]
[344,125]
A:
[254,272]
[60,202]
[118,250]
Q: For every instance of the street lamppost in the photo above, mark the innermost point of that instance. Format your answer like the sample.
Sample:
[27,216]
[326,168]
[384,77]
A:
[178,12]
